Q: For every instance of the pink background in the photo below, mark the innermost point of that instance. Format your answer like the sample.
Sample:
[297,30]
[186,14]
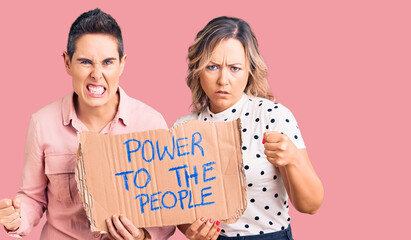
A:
[342,68]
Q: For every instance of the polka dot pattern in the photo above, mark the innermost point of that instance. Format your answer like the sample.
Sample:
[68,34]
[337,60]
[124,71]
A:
[267,208]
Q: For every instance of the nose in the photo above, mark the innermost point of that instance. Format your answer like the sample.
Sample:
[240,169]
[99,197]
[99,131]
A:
[223,78]
[96,73]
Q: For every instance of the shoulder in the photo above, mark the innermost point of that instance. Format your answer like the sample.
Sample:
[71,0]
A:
[192,116]
[135,108]
[143,108]
[49,112]
[267,107]
[142,117]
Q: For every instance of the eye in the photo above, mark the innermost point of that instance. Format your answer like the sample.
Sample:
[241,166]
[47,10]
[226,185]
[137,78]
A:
[107,62]
[235,69]
[212,67]
[85,61]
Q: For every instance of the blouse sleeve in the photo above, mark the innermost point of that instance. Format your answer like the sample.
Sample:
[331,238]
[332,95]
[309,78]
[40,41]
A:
[284,122]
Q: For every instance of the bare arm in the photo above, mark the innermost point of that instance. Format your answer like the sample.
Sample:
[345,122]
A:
[303,186]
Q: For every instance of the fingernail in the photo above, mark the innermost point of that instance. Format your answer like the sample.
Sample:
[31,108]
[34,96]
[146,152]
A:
[217,223]
[263,140]
[202,219]
[218,229]
[211,220]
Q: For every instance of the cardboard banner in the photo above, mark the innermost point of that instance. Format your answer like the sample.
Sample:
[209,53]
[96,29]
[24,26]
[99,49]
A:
[163,177]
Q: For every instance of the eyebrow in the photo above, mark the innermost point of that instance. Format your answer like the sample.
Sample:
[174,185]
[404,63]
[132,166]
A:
[231,64]
[110,59]
[82,59]
[106,59]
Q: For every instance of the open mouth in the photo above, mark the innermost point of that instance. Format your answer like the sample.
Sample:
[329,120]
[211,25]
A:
[222,92]
[96,89]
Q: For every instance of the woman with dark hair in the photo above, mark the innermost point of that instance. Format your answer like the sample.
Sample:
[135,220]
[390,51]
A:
[95,61]
[228,80]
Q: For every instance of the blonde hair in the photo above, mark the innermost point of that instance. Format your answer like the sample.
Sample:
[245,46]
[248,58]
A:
[199,54]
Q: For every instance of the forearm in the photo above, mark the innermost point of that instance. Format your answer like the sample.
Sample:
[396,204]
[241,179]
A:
[304,187]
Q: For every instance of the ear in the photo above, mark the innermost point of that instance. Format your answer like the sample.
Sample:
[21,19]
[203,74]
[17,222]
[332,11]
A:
[67,62]
[123,63]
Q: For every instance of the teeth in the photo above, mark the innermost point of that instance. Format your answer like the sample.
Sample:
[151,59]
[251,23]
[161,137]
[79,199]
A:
[96,89]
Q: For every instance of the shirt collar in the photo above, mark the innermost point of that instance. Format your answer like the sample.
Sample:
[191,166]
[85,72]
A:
[230,113]
[69,112]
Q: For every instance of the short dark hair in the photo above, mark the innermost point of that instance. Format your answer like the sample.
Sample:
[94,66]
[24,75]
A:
[94,21]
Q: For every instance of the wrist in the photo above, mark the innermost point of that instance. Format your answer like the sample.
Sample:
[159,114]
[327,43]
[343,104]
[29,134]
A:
[295,162]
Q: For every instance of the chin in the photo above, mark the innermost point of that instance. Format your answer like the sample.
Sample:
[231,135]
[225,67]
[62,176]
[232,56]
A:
[96,103]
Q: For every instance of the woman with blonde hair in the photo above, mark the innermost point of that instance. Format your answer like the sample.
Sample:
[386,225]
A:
[228,80]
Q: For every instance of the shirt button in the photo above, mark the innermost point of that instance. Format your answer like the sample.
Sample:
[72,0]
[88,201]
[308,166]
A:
[96,235]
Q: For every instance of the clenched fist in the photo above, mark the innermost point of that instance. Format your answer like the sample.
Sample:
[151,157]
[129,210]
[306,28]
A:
[10,213]
[279,149]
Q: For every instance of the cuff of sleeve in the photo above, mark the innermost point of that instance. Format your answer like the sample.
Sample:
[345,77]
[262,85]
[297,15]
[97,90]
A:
[14,233]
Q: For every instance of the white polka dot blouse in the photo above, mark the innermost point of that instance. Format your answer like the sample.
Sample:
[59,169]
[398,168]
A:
[267,199]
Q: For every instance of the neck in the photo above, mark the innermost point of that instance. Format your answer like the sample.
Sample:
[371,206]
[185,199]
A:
[96,118]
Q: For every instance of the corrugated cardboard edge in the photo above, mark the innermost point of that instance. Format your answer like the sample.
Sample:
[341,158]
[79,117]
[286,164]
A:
[241,171]
[86,197]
